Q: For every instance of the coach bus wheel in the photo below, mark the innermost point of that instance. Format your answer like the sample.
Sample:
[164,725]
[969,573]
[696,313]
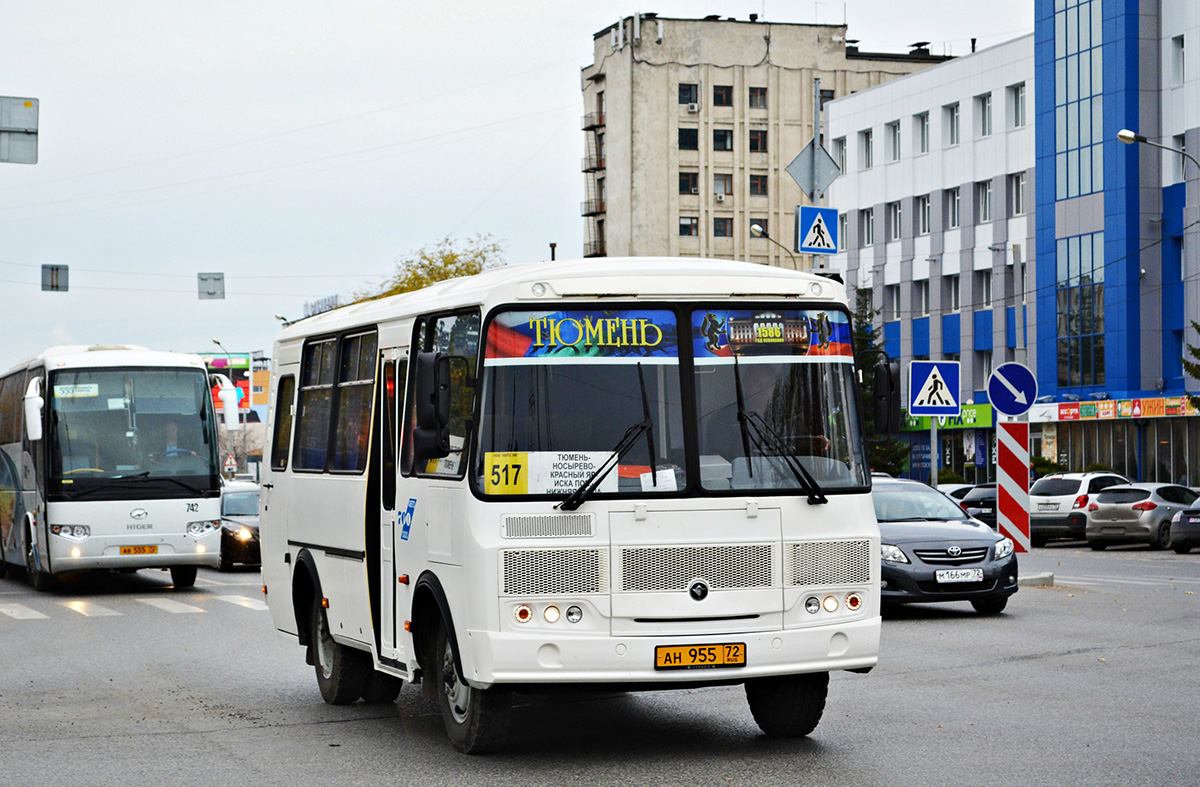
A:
[183,576]
[40,580]
[342,672]
[476,719]
[789,706]
[382,688]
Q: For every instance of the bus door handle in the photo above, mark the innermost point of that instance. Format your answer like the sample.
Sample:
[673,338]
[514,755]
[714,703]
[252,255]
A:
[268,486]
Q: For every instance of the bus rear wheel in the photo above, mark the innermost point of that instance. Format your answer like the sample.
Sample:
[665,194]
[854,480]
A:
[476,720]
[789,706]
[342,672]
[183,576]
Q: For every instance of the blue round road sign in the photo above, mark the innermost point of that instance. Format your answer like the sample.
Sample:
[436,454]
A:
[1012,389]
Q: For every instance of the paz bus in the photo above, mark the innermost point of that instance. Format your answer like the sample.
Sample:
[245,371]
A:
[108,460]
[625,474]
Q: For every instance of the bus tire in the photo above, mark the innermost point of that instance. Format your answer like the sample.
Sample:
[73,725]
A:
[41,581]
[789,706]
[183,576]
[476,720]
[382,688]
[342,672]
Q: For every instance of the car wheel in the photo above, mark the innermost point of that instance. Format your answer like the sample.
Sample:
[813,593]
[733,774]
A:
[789,706]
[183,576]
[41,581]
[990,606]
[476,720]
[342,672]
[1164,537]
[1182,549]
[1099,546]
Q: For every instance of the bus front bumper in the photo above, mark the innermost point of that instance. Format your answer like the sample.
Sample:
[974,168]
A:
[509,658]
[95,553]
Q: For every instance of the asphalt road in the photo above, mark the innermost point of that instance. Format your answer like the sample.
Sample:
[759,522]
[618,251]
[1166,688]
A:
[121,679]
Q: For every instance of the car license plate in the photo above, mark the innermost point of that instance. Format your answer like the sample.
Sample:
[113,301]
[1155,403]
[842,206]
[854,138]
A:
[143,550]
[1047,506]
[985,510]
[959,575]
[725,654]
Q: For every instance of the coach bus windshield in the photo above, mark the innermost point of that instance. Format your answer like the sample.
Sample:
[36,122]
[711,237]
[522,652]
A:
[128,433]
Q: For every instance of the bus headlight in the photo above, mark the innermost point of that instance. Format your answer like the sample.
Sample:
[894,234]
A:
[201,529]
[73,532]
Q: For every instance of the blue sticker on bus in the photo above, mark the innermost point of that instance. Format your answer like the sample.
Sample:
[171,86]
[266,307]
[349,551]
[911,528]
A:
[406,519]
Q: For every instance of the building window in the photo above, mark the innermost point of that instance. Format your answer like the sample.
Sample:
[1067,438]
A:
[921,131]
[761,224]
[1079,295]
[1078,90]
[922,296]
[985,363]
[1016,191]
[689,182]
[843,230]
[865,147]
[983,108]
[954,208]
[953,292]
[983,201]
[1177,63]
[1179,142]
[758,98]
[723,139]
[689,226]
[891,307]
[984,279]
[839,153]
[723,183]
[893,221]
[758,185]
[868,226]
[688,94]
[689,139]
[893,140]
[921,206]
[758,140]
[1016,100]
[723,227]
[953,134]
[722,95]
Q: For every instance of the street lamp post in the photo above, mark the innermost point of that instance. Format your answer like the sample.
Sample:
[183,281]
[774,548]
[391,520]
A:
[759,232]
[1130,137]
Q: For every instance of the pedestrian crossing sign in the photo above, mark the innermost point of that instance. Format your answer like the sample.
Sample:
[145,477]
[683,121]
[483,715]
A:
[816,230]
[933,388]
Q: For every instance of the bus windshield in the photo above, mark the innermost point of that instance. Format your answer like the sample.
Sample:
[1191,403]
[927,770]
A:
[121,433]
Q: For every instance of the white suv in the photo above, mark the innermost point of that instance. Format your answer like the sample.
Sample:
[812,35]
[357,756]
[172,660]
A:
[1058,504]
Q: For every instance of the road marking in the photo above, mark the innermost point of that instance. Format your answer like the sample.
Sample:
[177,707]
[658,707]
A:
[242,601]
[20,612]
[166,605]
[88,609]
[1152,582]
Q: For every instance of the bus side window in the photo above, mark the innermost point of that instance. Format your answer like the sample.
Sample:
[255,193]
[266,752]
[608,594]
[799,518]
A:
[283,423]
[315,404]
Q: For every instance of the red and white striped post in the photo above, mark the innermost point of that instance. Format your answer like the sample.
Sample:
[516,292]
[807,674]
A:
[1012,482]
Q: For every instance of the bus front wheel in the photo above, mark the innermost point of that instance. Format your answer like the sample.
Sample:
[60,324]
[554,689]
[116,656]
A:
[789,706]
[40,580]
[342,672]
[183,576]
[476,720]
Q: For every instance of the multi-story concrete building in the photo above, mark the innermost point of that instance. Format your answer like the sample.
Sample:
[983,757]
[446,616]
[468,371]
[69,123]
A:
[936,217]
[690,124]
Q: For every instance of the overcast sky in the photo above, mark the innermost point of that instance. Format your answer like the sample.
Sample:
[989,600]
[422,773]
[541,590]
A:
[302,147]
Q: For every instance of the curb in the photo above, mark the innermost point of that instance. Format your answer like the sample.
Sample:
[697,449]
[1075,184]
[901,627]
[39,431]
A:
[1045,579]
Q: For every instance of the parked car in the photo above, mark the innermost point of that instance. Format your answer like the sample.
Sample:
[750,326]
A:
[1136,513]
[1185,529]
[981,504]
[932,551]
[1058,504]
[239,525]
[955,491]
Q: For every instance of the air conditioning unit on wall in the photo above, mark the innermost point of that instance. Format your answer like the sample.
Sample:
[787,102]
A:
[695,189]
[693,108]
[720,197]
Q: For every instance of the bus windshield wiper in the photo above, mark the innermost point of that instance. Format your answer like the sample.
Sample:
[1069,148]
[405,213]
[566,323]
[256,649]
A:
[769,443]
[136,476]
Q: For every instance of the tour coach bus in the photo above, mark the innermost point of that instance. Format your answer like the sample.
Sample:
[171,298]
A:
[108,460]
[639,473]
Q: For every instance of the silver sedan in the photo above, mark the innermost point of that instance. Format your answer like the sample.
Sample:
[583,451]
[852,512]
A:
[1136,513]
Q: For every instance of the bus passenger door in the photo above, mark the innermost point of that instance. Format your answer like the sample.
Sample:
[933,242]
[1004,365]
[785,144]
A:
[393,595]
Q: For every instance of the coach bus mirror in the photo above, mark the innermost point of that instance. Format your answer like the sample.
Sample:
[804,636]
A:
[886,398]
[33,410]
[228,396]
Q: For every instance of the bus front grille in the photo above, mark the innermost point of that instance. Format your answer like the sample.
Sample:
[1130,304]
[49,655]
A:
[720,566]
[534,572]
[547,525]
[810,563]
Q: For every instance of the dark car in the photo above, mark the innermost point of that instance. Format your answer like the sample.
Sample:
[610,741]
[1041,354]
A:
[932,551]
[1185,530]
[239,525]
[980,503]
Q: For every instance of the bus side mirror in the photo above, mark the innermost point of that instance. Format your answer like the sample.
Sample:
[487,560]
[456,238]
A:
[886,397]
[33,410]
[431,437]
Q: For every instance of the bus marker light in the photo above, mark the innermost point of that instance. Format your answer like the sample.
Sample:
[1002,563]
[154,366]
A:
[551,614]
[75,552]
[574,614]
[830,604]
[264,590]
[408,625]
[199,548]
[812,605]
[402,579]
[853,601]
[523,613]
[325,603]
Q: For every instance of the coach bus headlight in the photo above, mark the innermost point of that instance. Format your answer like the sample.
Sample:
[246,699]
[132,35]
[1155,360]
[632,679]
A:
[201,529]
[73,532]
[1004,548]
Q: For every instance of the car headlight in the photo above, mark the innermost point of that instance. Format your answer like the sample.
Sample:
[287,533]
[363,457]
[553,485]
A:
[892,554]
[73,532]
[243,533]
[201,529]
[1004,548]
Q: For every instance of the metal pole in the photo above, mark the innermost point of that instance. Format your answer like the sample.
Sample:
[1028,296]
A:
[934,451]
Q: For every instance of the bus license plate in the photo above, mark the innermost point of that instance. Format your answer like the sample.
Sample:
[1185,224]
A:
[147,550]
[960,575]
[725,654]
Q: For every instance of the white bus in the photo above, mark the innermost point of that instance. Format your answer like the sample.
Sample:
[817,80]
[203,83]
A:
[625,474]
[108,460]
